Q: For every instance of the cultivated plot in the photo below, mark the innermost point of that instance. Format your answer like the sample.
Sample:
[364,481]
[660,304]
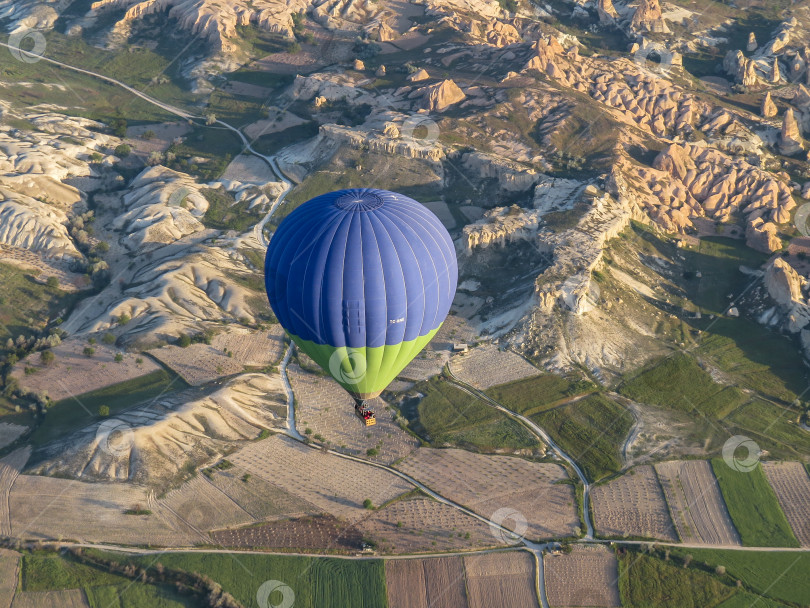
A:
[9,564]
[10,468]
[504,486]
[262,499]
[506,580]
[197,364]
[72,372]
[588,576]
[202,506]
[333,484]
[791,484]
[423,524]
[50,508]
[426,583]
[320,533]
[487,366]
[633,505]
[328,411]
[694,499]
[70,598]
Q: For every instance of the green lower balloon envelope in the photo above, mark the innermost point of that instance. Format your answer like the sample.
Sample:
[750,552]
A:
[364,372]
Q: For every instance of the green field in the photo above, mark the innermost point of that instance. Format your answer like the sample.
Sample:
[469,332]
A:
[448,415]
[73,413]
[678,382]
[649,582]
[778,575]
[538,393]
[316,582]
[753,507]
[757,358]
[591,430]
[772,427]
[52,573]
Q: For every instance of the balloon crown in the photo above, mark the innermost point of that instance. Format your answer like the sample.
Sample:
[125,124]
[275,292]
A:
[359,200]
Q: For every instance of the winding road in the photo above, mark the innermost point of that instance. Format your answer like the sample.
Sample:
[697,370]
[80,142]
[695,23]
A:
[539,432]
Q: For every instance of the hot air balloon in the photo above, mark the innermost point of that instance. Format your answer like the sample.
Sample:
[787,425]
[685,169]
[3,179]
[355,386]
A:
[361,280]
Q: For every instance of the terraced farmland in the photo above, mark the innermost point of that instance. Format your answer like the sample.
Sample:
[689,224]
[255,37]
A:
[588,576]
[791,483]
[488,484]
[697,507]
[506,580]
[633,505]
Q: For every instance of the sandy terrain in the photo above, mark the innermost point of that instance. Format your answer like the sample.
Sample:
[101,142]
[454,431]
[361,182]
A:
[695,501]
[73,373]
[505,580]
[46,507]
[488,484]
[152,442]
[72,598]
[792,486]
[328,410]
[333,484]
[9,432]
[423,524]
[9,562]
[249,169]
[633,505]
[588,576]
[10,468]
[487,366]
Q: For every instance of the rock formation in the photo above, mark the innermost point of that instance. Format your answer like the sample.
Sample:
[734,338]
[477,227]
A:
[774,76]
[607,12]
[648,17]
[740,68]
[380,72]
[768,108]
[359,65]
[419,75]
[501,34]
[752,42]
[439,96]
[762,236]
[790,137]
[500,225]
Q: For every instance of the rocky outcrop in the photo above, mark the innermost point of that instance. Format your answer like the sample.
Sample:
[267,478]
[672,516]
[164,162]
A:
[763,236]
[501,34]
[784,285]
[501,225]
[768,108]
[379,142]
[419,75]
[359,65]
[741,69]
[606,11]
[752,42]
[380,72]
[440,96]
[691,181]
[511,176]
[775,75]
[648,17]
[790,137]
